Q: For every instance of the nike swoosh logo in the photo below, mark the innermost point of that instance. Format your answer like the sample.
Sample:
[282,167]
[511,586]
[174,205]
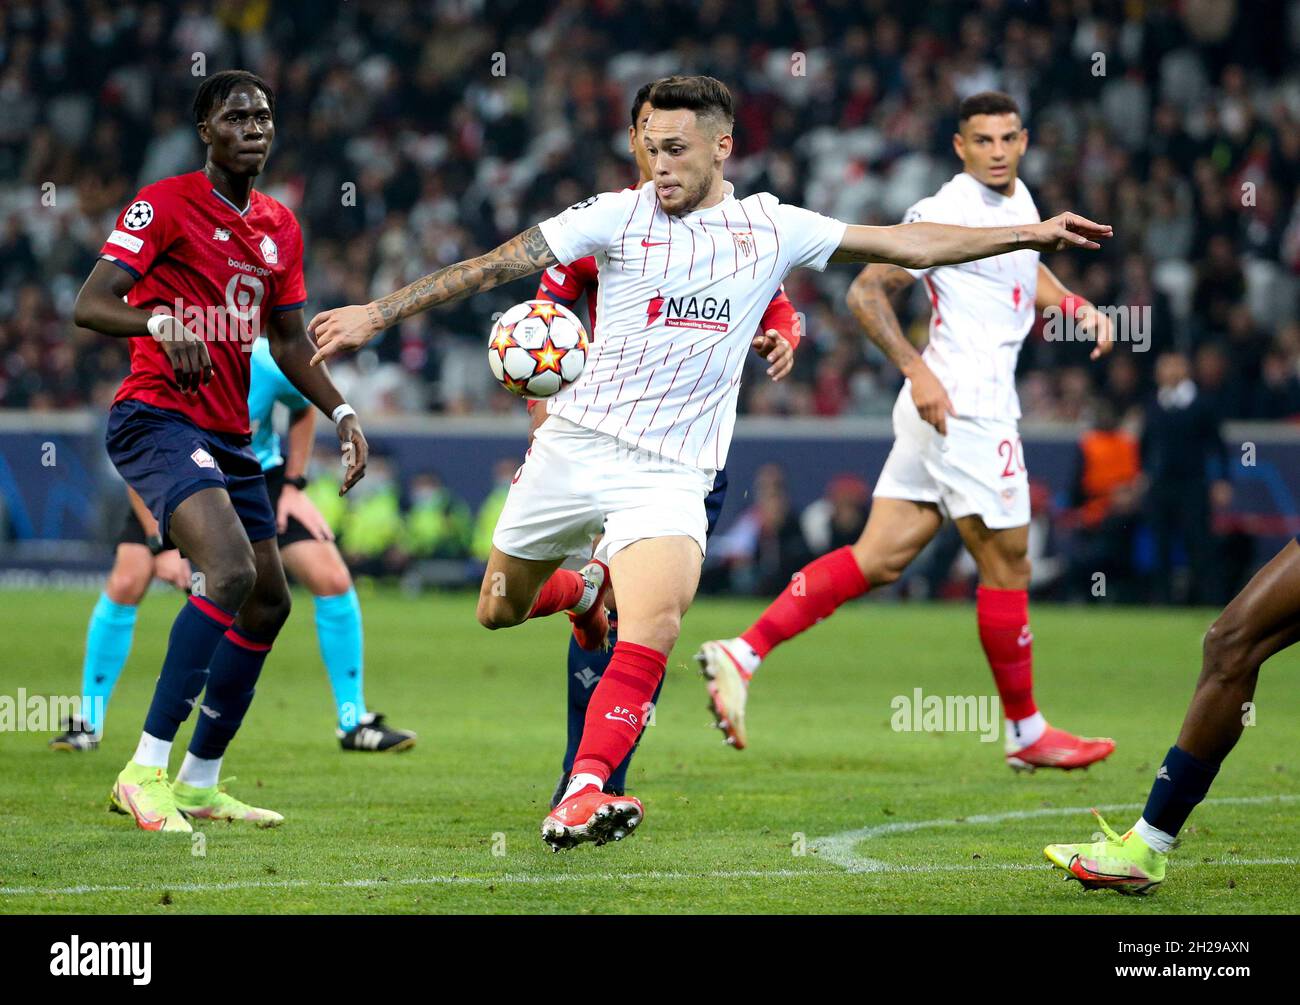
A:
[652,244]
[618,718]
[145,822]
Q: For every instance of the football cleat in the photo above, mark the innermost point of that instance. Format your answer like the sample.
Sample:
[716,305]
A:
[372,733]
[728,686]
[76,735]
[563,786]
[143,793]
[1125,864]
[215,803]
[591,815]
[591,627]
[1058,749]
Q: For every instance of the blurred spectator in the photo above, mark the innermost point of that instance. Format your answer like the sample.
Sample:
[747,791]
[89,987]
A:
[1186,463]
[838,517]
[1106,498]
[438,525]
[485,522]
[371,538]
[401,153]
[765,546]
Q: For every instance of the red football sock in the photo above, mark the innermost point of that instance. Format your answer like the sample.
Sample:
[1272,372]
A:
[1003,617]
[618,709]
[559,593]
[814,593]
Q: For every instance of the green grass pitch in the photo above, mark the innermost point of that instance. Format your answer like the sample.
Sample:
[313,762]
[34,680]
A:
[452,826]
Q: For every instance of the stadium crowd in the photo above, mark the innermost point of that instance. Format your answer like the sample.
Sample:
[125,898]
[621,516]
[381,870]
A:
[411,135]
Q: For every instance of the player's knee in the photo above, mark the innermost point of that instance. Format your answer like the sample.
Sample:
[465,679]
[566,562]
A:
[127,584]
[231,582]
[498,612]
[877,569]
[333,581]
[1226,648]
[658,631]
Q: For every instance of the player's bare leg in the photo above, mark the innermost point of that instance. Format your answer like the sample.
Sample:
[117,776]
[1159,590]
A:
[896,531]
[1002,610]
[657,579]
[517,589]
[206,526]
[1261,621]
[318,566]
[108,643]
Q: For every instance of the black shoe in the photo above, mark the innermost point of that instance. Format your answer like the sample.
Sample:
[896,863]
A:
[75,736]
[372,734]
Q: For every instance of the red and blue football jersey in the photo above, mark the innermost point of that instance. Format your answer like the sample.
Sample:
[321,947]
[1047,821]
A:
[220,268]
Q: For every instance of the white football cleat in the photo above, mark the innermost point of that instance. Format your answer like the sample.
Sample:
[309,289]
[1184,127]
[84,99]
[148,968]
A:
[728,688]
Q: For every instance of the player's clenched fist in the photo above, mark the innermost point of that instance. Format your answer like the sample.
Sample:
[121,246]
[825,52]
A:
[343,329]
[1067,230]
[355,450]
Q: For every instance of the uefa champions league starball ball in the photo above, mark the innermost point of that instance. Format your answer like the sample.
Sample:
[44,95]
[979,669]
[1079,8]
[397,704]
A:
[537,349]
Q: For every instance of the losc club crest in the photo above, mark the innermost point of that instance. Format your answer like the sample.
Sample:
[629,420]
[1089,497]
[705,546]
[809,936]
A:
[269,251]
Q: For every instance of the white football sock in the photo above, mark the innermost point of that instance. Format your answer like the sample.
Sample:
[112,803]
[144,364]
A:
[588,597]
[1023,732]
[745,655]
[579,782]
[1157,839]
[152,752]
[199,772]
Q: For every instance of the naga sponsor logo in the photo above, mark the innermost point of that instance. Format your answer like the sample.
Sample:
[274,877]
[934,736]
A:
[708,313]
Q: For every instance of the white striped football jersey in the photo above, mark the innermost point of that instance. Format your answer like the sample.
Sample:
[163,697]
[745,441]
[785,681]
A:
[679,300]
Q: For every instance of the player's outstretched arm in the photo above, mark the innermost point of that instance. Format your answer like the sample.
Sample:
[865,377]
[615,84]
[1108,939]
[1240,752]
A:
[346,328]
[926,245]
[868,299]
[100,307]
[292,352]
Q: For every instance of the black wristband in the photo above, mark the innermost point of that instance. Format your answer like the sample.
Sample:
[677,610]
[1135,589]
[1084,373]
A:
[297,481]
[155,544]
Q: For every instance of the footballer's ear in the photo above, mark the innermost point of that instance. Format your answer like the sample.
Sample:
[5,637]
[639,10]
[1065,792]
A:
[631,140]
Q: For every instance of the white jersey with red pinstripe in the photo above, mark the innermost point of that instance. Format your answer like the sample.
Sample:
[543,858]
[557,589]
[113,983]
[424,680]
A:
[679,300]
[980,312]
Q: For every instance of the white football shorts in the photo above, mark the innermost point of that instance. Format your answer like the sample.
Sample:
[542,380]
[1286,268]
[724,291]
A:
[977,469]
[576,484]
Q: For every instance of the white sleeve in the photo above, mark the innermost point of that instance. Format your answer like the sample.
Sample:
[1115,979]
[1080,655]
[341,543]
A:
[810,238]
[589,226]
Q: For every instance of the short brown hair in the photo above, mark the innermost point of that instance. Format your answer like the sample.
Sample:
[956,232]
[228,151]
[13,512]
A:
[705,96]
[988,103]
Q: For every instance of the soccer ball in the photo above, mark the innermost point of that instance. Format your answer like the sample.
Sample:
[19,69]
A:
[537,349]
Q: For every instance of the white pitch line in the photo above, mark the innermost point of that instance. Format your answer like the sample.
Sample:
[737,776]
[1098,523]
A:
[838,849]
[361,884]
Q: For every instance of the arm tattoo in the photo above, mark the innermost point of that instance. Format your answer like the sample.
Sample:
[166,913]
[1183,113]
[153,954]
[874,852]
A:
[520,256]
[868,298]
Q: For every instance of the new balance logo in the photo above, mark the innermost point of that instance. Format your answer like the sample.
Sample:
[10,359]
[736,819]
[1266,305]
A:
[586,677]
[1163,773]
[221,234]
[1026,637]
[210,712]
